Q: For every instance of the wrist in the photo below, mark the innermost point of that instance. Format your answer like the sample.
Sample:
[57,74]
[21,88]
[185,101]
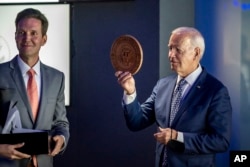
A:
[129,92]
[174,134]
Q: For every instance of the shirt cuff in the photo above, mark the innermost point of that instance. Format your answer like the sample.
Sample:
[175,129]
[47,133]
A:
[129,98]
[180,137]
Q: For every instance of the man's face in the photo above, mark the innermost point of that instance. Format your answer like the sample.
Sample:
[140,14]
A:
[183,57]
[29,38]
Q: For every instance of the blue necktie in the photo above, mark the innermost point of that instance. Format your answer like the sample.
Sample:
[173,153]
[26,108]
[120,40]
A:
[175,104]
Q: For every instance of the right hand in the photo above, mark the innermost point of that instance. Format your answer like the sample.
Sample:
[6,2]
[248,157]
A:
[9,151]
[126,80]
[164,135]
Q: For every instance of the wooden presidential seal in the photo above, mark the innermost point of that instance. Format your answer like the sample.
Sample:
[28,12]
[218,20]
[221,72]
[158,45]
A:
[126,54]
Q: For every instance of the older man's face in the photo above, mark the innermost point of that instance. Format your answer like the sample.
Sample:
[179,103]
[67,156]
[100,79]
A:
[182,55]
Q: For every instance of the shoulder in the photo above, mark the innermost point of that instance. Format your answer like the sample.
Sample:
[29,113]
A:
[165,83]
[212,80]
[167,79]
[51,70]
[6,66]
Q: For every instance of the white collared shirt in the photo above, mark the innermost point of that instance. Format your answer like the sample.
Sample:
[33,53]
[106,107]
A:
[25,68]
[190,79]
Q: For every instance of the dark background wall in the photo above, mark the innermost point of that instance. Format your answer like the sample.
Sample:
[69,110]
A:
[99,136]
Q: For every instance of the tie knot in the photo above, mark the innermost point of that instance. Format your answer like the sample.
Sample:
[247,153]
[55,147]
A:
[31,72]
[182,82]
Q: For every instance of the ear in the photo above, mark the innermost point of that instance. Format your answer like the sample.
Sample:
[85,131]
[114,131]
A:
[44,40]
[197,53]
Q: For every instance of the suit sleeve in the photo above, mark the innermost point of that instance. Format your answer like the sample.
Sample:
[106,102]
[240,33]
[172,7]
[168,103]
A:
[60,122]
[139,116]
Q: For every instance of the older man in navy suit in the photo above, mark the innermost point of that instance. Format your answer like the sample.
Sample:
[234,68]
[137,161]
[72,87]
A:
[48,112]
[195,124]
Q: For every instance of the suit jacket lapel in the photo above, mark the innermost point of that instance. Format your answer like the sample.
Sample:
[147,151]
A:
[44,85]
[193,92]
[164,96]
[18,80]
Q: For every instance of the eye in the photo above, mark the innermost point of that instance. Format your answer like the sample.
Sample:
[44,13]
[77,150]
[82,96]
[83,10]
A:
[170,48]
[178,50]
[20,33]
[34,33]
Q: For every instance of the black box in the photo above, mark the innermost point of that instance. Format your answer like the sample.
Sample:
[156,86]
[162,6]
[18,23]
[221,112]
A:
[34,143]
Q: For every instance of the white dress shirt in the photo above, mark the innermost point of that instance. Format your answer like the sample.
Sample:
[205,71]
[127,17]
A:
[25,68]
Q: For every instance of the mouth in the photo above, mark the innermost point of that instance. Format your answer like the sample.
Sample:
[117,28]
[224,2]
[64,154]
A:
[26,46]
[173,62]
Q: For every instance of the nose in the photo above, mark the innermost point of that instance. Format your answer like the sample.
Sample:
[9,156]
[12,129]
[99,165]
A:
[171,54]
[26,36]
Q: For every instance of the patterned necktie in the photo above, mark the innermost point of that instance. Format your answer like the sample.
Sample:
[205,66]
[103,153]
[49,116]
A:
[175,104]
[176,99]
[32,92]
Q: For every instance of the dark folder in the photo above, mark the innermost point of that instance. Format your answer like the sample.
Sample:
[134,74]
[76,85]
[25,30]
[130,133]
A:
[34,143]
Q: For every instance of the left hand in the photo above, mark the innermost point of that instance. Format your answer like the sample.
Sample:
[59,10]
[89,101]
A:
[164,135]
[59,141]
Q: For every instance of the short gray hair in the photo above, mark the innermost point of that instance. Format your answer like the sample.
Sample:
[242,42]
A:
[194,35]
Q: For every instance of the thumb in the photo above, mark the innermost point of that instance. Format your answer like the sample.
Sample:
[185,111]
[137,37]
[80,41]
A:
[162,129]
[19,145]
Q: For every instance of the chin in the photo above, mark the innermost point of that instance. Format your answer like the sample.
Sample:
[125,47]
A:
[174,68]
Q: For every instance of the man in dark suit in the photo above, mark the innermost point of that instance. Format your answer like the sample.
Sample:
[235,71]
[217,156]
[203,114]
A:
[201,126]
[30,36]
